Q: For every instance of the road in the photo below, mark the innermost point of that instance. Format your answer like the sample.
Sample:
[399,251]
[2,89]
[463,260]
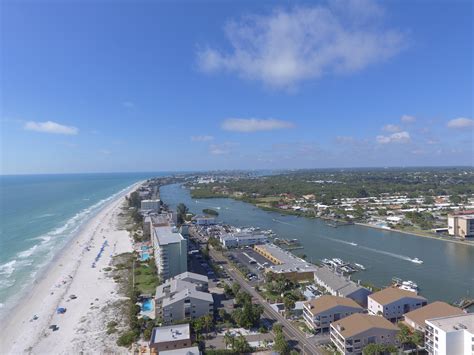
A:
[289,330]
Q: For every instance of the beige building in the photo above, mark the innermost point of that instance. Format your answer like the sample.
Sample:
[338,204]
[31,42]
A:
[416,319]
[322,311]
[351,334]
[392,303]
[170,338]
[461,224]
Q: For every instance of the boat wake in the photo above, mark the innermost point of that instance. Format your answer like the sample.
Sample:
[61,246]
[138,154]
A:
[276,220]
[398,256]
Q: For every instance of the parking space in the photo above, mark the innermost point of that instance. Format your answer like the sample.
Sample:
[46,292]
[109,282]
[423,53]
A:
[251,261]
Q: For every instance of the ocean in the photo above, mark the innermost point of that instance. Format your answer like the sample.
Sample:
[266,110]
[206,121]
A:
[39,214]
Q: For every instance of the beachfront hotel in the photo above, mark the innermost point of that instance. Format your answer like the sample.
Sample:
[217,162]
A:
[392,303]
[170,249]
[351,334]
[285,263]
[319,313]
[450,335]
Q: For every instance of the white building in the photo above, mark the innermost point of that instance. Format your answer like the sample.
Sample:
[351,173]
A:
[416,319]
[236,240]
[150,205]
[319,313]
[450,335]
[170,249]
[171,337]
[178,300]
[392,303]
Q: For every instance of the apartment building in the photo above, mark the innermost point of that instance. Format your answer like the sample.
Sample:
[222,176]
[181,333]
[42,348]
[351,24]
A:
[450,335]
[392,303]
[416,319]
[340,285]
[320,312]
[461,224]
[351,334]
[177,300]
[236,240]
[170,338]
[170,249]
[150,205]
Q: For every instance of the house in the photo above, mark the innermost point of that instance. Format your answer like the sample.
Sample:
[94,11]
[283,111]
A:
[392,303]
[351,334]
[319,313]
[450,335]
[339,285]
[416,319]
[170,338]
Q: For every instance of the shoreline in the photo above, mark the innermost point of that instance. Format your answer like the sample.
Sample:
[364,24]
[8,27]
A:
[69,272]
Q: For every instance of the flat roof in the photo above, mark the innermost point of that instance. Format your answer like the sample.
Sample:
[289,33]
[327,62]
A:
[358,323]
[171,333]
[327,302]
[165,235]
[289,262]
[436,309]
[392,294]
[455,323]
[193,350]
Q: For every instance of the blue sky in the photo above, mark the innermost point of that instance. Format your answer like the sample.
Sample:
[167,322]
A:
[148,86]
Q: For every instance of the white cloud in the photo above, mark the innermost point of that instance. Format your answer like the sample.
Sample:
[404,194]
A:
[201,138]
[50,127]
[461,122]
[286,47]
[221,149]
[391,128]
[407,119]
[254,124]
[398,137]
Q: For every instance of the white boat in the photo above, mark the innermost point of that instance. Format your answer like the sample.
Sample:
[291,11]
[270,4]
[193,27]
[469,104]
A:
[408,288]
[353,244]
[338,261]
[410,284]
[417,261]
[360,266]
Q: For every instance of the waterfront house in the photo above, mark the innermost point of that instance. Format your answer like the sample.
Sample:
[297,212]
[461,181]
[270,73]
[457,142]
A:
[416,319]
[351,334]
[392,303]
[319,313]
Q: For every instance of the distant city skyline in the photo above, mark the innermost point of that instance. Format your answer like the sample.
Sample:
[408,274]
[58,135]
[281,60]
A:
[164,86]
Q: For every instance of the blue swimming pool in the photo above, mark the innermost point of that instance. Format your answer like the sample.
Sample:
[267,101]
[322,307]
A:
[144,248]
[147,305]
[145,256]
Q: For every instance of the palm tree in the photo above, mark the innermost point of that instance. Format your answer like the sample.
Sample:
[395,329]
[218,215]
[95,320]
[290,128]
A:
[207,322]
[228,340]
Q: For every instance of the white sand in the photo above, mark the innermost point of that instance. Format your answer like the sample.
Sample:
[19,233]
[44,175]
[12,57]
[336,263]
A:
[82,327]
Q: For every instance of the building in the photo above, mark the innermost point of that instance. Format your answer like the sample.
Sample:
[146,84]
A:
[319,313]
[351,334]
[285,263]
[201,281]
[461,224]
[392,303]
[450,335]
[340,285]
[170,249]
[177,300]
[170,338]
[204,220]
[150,205]
[236,240]
[193,350]
[416,319]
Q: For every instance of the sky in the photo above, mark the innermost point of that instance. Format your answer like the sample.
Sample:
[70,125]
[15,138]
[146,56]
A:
[106,86]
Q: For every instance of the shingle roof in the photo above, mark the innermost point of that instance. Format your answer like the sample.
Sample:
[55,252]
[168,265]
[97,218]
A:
[327,302]
[359,323]
[392,294]
[433,310]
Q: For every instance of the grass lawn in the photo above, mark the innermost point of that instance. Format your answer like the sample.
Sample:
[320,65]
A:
[146,280]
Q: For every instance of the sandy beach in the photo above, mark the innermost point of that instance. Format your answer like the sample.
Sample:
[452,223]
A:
[81,327]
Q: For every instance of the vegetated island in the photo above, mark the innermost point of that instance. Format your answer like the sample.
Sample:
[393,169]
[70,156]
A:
[210,212]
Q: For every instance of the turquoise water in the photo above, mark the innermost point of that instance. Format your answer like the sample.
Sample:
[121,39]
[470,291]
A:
[446,274]
[145,256]
[40,213]
[147,305]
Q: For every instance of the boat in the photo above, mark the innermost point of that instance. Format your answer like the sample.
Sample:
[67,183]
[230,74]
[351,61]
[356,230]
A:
[410,284]
[417,261]
[408,288]
[360,266]
[325,261]
[353,244]
[338,261]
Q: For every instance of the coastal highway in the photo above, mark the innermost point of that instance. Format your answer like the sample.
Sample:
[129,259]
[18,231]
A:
[289,330]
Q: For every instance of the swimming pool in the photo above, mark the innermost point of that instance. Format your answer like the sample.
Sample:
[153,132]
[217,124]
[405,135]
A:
[145,256]
[147,305]
[144,247]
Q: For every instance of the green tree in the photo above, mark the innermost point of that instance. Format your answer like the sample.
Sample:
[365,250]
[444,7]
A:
[228,340]
[241,345]
[280,345]
[181,211]
[289,303]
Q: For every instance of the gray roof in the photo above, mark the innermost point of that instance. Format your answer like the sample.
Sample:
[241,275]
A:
[165,235]
[188,292]
[337,283]
[193,350]
[290,262]
[193,276]
[171,287]
[171,333]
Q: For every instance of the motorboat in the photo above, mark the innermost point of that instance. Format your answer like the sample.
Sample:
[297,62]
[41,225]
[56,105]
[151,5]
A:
[360,266]
[417,261]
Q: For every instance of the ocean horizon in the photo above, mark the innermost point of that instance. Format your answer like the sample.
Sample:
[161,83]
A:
[40,214]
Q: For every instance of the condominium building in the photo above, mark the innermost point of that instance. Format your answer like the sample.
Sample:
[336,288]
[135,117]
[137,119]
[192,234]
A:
[285,263]
[351,334]
[340,285]
[170,249]
[450,335]
[416,319]
[150,205]
[320,312]
[177,300]
[392,303]
[170,338]
[235,240]
[461,224]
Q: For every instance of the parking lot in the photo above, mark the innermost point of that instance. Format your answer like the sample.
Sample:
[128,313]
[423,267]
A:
[251,260]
